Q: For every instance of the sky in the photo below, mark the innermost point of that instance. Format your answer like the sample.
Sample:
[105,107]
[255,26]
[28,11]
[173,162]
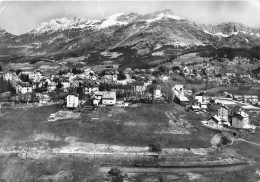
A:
[18,17]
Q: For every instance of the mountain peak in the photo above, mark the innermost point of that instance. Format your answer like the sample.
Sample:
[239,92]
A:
[168,13]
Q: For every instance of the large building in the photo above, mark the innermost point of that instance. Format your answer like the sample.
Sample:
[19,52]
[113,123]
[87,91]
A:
[240,119]
[223,113]
[72,101]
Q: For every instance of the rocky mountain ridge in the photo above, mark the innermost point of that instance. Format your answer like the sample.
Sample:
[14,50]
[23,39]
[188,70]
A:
[143,33]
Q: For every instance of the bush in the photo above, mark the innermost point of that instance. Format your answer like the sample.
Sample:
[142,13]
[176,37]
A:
[117,175]
[155,147]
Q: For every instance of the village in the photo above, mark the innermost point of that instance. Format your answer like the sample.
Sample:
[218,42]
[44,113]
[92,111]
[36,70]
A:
[185,109]
[107,85]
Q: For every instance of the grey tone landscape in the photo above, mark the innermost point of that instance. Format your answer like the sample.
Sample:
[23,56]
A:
[129,91]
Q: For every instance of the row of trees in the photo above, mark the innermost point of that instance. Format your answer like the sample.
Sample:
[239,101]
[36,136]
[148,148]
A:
[6,86]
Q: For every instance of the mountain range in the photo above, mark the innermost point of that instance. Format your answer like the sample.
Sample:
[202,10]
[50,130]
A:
[151,34]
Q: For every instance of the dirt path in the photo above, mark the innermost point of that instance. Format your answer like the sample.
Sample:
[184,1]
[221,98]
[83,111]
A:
[249,142]
[180,169]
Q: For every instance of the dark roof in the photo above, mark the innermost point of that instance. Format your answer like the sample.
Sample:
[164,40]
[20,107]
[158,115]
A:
[138,83]
[25,84]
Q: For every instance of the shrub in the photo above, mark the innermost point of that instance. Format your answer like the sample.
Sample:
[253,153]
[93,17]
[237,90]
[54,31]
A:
[155,147]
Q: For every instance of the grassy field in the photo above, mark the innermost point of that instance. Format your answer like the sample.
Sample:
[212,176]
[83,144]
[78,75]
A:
[58,169]
[139,126]
[242,90]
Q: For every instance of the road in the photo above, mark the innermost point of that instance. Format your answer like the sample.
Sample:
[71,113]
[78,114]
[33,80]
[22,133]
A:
[180,169]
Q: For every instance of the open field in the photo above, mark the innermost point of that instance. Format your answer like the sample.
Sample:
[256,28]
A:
[241,90]
[73,150]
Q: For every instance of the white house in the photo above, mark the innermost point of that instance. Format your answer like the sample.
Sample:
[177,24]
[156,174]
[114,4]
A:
[157,92]
[72,101]
[105,98]
[215,122]
[23,88]
[240,119]
[109,98]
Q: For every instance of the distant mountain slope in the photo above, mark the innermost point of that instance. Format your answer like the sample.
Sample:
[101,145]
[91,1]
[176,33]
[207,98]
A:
[143,33]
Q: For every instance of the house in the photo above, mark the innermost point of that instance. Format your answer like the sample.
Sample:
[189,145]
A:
[201,100]
[223,112]
[157,92]
[251,98]
[183,100]
[105,98]
[51,86]
[215,122]
[72,101]
[122,82]
[139,87]
[108,63]
[91,90]
[109,98]
[195,108]
[23,88]
[240,119]
[66,84]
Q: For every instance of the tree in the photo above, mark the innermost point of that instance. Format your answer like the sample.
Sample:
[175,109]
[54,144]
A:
[18,71]
[155,147]
[121,75]
[117,175]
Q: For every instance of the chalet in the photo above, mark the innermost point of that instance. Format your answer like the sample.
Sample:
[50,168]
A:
[215,122]
[23,88]
[72,101]
[223,112]
[240,119]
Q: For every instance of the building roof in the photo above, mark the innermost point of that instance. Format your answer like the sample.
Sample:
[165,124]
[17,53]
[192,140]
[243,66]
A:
[225,106]
[251,96]
[215,118]
[183,98]
[138,83]
[25,84]
[109,95]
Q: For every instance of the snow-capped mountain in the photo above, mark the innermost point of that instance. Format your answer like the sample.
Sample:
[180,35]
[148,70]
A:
[63,24]
[144,34]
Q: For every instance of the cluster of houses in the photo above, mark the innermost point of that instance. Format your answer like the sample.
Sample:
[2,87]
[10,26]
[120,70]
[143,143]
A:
[236,118]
